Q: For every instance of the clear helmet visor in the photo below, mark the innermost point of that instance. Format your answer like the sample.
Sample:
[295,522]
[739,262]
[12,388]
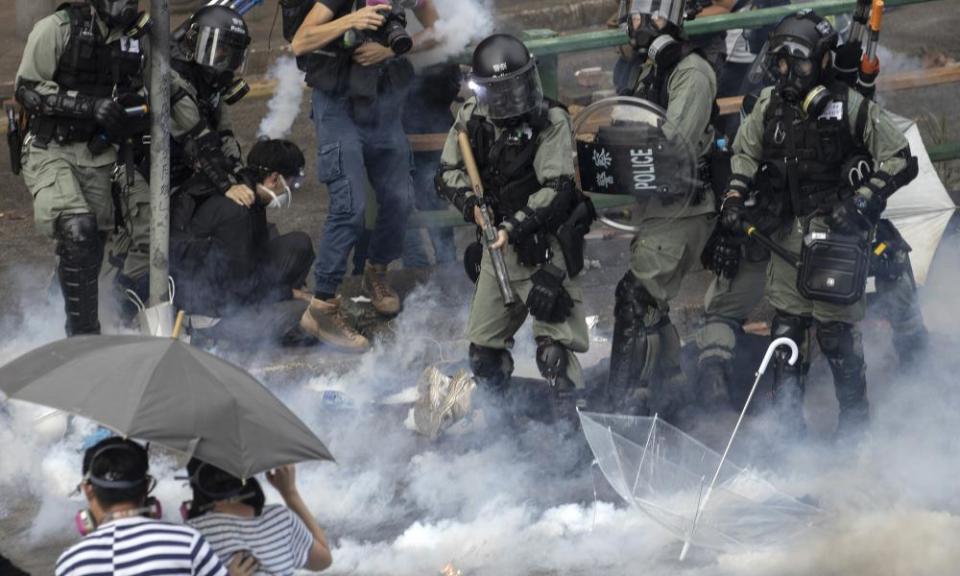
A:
[779,59]
[222,50]
[509,96]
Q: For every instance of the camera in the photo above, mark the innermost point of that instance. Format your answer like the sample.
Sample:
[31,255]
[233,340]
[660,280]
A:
[392,34]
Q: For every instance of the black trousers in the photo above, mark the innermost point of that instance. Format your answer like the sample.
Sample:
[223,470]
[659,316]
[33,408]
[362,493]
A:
[230,259]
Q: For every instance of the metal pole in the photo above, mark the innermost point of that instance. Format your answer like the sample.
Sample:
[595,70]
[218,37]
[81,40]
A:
[159,149]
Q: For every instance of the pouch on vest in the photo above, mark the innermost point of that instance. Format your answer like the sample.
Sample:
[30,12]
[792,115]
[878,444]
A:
[570,235]
[833,267]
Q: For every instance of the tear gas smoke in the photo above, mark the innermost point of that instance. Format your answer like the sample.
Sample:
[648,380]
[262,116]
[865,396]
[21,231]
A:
[284,106]
[461,22]
[515,500]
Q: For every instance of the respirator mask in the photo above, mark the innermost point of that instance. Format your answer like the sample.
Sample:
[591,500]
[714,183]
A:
[285,198]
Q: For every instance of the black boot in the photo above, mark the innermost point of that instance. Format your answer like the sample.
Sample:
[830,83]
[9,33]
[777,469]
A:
[840,342]
[81,251]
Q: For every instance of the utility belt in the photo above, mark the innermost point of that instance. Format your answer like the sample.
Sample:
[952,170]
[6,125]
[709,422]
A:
[61,130]
[335,74]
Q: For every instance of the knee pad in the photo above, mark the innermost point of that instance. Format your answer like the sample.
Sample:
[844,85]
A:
[836,339]
[552,361]
[490,366]
[631,299]
[795,328]
[78,237]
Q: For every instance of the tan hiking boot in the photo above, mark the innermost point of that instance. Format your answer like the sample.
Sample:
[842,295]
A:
[384,298]
[324,320]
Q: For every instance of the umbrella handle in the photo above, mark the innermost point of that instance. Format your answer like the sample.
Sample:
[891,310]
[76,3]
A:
[178,325]
[782,341]
[794,355]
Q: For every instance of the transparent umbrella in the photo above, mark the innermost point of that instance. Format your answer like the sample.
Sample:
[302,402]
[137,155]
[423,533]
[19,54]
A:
[690,489]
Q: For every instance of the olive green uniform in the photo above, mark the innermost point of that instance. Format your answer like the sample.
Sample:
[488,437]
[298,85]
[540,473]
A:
[491,324]
[63,178]
[645,373]
[883,141]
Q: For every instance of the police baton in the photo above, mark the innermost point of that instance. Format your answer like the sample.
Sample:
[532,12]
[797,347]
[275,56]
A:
[753,232]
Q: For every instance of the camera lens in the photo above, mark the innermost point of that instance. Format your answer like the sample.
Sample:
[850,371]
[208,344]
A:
[397,37]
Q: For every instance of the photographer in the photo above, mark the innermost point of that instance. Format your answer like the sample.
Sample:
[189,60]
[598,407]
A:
[352,56]
[232,514]
[116,483]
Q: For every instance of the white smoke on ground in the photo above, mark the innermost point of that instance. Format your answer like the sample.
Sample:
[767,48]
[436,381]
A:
[461,23]
[284,106]
[504,499]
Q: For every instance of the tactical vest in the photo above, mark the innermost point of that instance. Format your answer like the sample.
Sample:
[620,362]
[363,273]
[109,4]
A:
[505,163]
[94,68]
[803,158]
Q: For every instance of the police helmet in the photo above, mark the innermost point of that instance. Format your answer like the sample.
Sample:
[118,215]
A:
[795,52]
[505,77]
[638,17]
[116,13]
[217,38]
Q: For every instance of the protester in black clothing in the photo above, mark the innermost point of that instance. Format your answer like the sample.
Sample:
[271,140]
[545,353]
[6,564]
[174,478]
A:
[226,258]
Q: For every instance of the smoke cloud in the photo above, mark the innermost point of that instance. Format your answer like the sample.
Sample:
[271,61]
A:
[284,106]
[499,498]
[461,22]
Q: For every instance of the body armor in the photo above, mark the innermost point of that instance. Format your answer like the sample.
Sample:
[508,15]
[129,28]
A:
[92,67]
[803,158]
[505,163]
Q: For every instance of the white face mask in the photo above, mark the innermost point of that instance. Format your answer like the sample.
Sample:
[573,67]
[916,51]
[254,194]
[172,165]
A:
[283,200]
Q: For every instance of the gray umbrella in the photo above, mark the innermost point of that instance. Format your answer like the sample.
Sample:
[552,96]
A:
[164,391]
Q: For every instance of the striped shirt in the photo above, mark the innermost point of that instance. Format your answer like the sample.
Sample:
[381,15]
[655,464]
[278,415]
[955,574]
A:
[278,538]
[139,546]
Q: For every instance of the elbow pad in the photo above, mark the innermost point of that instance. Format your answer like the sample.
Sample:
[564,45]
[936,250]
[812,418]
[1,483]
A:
[208,159]
[461,198]
[59,104]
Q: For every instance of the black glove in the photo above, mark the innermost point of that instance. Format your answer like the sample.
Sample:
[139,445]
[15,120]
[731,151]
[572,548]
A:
[856,214]
[726,256]
[731,214]
[469,204]
[847,58]
[548,300]
[109,114]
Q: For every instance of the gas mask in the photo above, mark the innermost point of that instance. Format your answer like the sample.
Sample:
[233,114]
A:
[117,13]
[794,68]
[642,33]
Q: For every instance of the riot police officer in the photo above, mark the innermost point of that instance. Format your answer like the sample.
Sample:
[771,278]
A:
[522,146]
[645,374]
[795,148]
[76,62]
[212,48]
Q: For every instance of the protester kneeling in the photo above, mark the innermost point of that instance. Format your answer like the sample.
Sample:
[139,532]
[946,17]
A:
[228,260]
[117,486]
[232,515]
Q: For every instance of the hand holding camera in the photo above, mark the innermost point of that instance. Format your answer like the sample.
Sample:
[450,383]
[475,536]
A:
[369,17]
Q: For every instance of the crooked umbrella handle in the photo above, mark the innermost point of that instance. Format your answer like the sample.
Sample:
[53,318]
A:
[782,341]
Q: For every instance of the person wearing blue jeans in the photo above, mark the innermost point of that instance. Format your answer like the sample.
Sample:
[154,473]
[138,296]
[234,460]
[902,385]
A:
[353,59]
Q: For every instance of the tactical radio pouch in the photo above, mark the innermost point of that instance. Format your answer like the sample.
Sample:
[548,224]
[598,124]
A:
[833,267]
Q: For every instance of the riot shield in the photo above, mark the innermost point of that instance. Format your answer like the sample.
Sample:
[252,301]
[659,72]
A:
[626,146]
